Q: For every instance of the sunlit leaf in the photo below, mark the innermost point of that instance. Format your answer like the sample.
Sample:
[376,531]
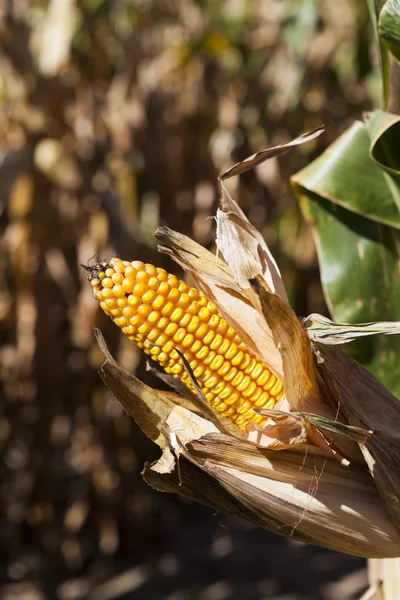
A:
[350,195]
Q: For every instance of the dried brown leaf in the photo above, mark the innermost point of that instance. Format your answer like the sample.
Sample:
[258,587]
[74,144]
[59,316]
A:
[334,506]
[302,390]
[149,408]
[368,404]
[244,249]
[260,157]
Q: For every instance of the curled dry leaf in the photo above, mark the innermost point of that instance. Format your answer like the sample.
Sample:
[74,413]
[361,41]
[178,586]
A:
[281,431]
[260,157]
[244,249]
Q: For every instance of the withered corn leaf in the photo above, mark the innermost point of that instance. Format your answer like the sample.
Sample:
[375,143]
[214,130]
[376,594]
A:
[263,155]
[350,195]
[303,392]
[357,434]
[244,248]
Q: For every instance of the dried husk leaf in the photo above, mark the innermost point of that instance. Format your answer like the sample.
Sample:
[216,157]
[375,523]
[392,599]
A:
[302,386]
[279,432]
[192,482]
[148,407]
[306,496]
[335,506]
[240,308]
[357,434]
[244,248]
[368,404]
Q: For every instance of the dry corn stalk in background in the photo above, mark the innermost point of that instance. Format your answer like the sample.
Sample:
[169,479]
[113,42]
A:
[283,431]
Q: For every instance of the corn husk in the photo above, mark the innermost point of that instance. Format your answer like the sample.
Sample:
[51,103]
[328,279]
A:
[303,494]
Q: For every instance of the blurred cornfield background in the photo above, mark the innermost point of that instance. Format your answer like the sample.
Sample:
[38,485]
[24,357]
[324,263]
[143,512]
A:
[116,116]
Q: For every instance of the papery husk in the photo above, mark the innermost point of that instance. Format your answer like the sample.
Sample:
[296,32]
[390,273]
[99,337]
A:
[244,249]
[384,579]
[304,495]
[367,403]
[239,307]
[334,506]
[148,407]
[303,392]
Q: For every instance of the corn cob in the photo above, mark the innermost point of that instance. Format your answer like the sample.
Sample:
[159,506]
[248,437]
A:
[151,305]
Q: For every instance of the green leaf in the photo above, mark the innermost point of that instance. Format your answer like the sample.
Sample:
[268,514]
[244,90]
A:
[350,195]
[360,170]
[382,53]
[389,26]
[359,261]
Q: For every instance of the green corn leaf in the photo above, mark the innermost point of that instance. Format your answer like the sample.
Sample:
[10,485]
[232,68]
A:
[350,195]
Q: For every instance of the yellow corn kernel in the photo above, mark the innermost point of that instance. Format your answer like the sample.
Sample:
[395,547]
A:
[196,346]
[199,371]
[111,303]
[217,341]
[217,362]
[186,319]
[122,302]
[167,309]
[133,300]
[163,288]
[161,314]
[172,328]
[107,282]
[162,274]
[176,315]
[154,316]
[144,310]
